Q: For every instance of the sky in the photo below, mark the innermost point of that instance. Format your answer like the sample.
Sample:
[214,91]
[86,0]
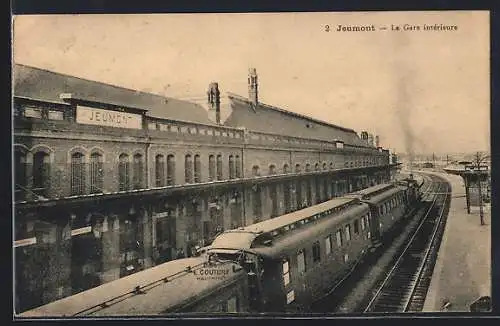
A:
[420,91]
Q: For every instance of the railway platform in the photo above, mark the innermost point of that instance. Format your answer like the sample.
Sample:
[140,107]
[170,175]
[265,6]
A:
[462,273]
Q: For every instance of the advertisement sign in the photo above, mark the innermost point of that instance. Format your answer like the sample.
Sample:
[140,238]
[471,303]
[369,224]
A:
[108,118]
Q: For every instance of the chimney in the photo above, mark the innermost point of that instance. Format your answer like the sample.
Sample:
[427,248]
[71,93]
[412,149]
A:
[377,141]
[253,93]
[214,102]
[364,137]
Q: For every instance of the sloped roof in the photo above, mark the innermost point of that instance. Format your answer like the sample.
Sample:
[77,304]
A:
[270,119]
[47,85]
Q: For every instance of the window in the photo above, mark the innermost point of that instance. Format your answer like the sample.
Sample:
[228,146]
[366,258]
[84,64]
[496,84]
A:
[316,167]
[170,170]
[324,166]
[301,261]
[316,252]
[257,202]
[188,169]
[123,172]
[238,167]
[77,174]
[219,167]
[231,167]
[20,179]
[232,304]
[138,172]
[308,167]
[309,192]
[356,226]
[272,169]
[55,115]
[286,273]
[286,196]
[255,171]
[41,173]
[346,258]
[96,173]
[338,235]
[32,113]
[298,194]
[286,169]
[348,232]
[297,168]
[211,167]
[197,168]
[328,245]
[331,166]
[290,297]
[159,170]
[363,222]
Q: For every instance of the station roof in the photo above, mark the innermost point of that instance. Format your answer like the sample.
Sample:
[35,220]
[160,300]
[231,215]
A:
[271,119]
[45,85]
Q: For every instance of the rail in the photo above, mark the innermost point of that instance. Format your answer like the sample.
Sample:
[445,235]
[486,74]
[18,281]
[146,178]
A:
[398,266]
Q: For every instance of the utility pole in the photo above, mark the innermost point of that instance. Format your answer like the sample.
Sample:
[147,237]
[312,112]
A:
[478,159]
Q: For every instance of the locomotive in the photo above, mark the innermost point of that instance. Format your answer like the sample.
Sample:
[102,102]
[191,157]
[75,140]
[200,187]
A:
[283,264]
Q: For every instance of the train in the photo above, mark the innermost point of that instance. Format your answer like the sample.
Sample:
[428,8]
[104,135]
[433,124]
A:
[283,264]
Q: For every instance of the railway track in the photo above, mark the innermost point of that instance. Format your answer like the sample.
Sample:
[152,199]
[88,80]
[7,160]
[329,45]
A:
[405,287]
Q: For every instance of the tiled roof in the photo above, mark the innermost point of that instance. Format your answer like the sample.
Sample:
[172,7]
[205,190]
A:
[267,118]
[46,85]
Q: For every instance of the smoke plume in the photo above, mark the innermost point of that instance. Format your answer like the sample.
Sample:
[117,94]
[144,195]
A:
[403,78]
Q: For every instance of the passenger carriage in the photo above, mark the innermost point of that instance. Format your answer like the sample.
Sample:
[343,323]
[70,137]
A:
[293,260]
[388,204]
[178,286]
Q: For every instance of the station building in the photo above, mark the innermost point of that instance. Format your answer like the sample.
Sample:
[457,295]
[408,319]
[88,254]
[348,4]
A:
[109,181]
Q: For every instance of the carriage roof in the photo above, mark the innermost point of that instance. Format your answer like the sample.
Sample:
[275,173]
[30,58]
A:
[298,237]
[245,238]
[155,296]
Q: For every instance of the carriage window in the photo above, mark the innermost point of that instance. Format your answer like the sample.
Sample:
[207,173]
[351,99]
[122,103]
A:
[356,226]
[316,252]
[232,304]
[301,261]
[328,245]
[348,232]
[338,234]
[286,273]
[290,297]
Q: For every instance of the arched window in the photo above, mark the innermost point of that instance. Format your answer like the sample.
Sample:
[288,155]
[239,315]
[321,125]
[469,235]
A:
[231,167]
[170,170]
[316,167]
[286,169]
[238,167]
[219,167]
[123,172]
[331,166]
[297,168]
[197,168]
[255,171]
[77,174]
[308,167]
[211,167]
[324,166]
[20,180]
[272,169]
[188,169]
[159,170]
[96,173]
[138,172]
